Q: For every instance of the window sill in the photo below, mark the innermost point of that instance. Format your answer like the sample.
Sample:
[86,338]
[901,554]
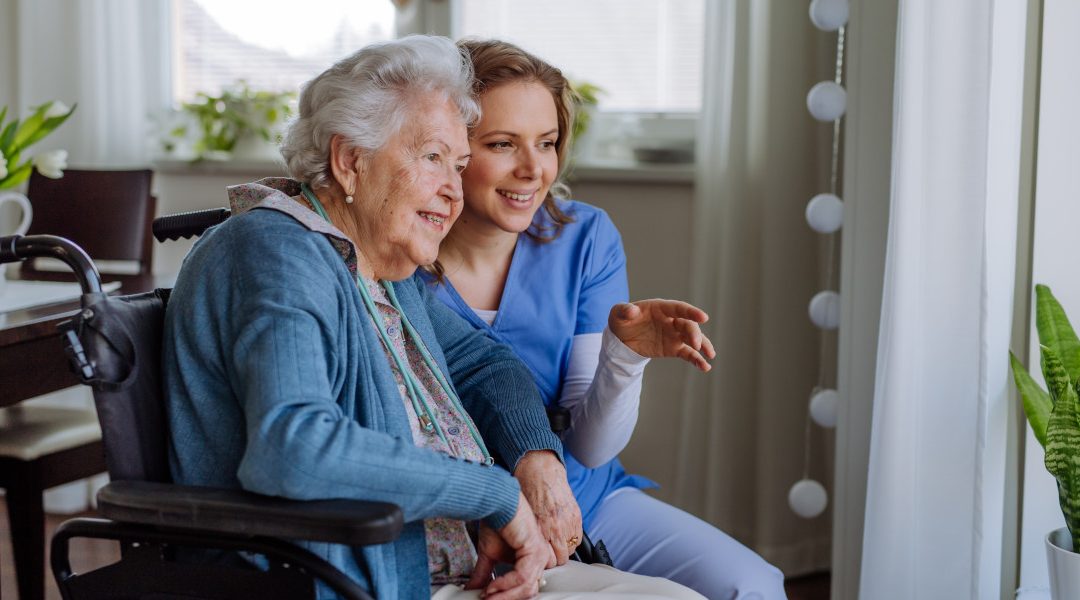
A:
[612,171]
[250,167]
[584,172]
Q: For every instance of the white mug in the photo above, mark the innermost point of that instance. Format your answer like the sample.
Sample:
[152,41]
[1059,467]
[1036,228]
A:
[24,225]
[27,211]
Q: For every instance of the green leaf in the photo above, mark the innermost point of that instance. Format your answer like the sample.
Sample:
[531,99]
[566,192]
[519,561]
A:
[1056,332]
[1057,379]
[30,126]
[17,176]
[47,127]
[12,162]
[3,114]
[1062,442]
[1037,404]
[7,136]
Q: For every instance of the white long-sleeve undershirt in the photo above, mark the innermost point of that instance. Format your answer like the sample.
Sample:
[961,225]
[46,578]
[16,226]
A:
[602,391]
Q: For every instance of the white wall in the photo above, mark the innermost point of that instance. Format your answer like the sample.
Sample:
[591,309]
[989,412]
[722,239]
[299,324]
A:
[655,222]
[182,188]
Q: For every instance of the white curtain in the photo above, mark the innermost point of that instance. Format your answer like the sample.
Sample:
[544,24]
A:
[934,507]
[109,56]
[757,264]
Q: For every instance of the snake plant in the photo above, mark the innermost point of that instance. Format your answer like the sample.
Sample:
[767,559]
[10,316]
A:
[1054,415]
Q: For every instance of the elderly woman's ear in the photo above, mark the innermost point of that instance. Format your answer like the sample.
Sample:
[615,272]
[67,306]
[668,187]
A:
[346,163]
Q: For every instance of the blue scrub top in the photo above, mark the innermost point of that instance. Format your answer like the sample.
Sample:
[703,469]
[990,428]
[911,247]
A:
[554,291]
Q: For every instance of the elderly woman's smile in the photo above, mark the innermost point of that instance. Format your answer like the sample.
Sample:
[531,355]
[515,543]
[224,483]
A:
[411,190]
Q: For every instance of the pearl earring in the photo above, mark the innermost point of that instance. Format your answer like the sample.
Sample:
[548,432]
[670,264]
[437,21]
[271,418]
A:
[348,199]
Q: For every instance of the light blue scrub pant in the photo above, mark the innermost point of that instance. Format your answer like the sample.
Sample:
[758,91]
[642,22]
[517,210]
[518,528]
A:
[648,537]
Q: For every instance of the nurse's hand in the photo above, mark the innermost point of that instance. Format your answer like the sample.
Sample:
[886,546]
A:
[518,543]
[663,328]
[543,481]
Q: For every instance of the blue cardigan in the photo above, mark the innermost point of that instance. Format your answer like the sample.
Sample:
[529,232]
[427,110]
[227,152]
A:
[276,383]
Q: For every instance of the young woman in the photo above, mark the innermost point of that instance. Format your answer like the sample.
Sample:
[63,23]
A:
[547,276]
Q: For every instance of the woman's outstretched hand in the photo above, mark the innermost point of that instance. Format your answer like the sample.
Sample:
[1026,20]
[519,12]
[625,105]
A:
[518,543]
[662,328]
[543,481]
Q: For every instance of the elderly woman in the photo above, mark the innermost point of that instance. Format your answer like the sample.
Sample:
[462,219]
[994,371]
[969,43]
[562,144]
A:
[301,361]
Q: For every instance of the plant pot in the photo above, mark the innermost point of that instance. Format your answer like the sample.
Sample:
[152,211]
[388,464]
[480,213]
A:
[251,147]
[1064,565]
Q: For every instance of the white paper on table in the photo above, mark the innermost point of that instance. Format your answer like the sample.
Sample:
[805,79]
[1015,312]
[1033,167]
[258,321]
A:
[24,294]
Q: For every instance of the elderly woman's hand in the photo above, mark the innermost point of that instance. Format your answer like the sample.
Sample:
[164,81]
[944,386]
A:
[663,328]
[519,543]
[543,481]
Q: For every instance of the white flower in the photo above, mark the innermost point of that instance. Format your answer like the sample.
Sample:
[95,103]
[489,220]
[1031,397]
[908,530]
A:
[3,165]
[57,109]
[52,163]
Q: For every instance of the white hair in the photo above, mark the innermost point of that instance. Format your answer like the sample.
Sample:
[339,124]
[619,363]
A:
[367,96]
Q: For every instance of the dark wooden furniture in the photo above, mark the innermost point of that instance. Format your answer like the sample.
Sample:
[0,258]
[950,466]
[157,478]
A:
[107,213]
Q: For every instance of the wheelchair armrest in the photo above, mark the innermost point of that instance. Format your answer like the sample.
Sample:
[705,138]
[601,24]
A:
[351,522]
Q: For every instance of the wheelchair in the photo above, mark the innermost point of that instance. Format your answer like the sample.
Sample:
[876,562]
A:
[113,345]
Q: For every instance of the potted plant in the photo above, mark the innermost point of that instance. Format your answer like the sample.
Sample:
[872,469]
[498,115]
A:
[1054,416]
[238,122]
[585,96]
[17,136]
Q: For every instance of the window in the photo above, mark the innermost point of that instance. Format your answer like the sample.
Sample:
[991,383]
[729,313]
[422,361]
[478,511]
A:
[273,45]
[645,54]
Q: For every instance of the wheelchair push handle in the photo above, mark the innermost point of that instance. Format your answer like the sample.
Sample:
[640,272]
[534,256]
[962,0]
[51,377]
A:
[16,248]
[186,225]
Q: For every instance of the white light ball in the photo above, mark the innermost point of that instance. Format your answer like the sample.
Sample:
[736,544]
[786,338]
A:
[825,310]
[829,15]
[825,213]
[823,407]
[807,498]
[826,101]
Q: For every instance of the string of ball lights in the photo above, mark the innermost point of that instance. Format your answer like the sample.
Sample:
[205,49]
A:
[827,102]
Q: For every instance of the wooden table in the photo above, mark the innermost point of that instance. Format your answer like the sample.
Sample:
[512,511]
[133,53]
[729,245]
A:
[32,359]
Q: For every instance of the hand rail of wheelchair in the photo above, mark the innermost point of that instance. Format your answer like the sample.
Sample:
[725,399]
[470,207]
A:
[16,248]
[188,224]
